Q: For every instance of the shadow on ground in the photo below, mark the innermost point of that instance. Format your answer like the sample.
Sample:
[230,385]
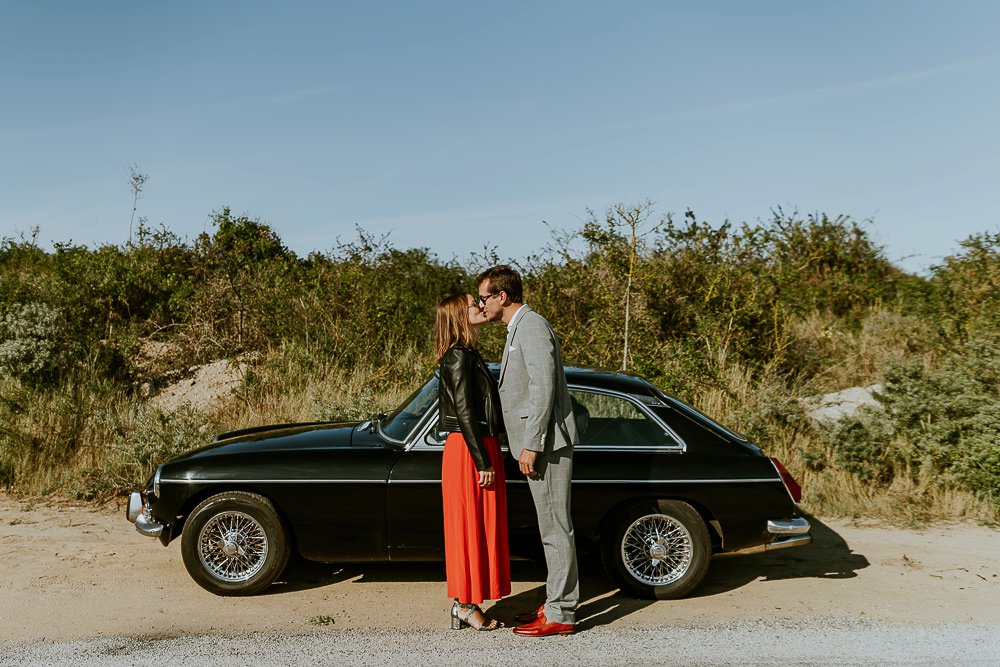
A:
[828,557]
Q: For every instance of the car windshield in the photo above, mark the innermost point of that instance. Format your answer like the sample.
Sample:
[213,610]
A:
[402,421]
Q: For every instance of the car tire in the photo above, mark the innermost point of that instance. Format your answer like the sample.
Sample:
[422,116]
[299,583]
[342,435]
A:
[659,550]
[234,543]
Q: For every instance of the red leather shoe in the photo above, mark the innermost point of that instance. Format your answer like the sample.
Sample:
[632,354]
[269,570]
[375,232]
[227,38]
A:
[529,616]
[543,627]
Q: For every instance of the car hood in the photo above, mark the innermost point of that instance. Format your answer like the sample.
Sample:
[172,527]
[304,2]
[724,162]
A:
[280,437]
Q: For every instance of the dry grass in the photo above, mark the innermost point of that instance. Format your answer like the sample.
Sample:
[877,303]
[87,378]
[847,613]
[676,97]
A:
[837,493]
[108,444]
[840,357]
[763,408]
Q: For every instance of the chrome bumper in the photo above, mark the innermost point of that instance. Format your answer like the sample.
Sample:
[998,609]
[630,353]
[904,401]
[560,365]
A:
[796,526]
[138,513]
[788,533]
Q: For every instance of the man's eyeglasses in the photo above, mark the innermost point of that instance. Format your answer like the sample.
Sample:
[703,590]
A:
[483,298]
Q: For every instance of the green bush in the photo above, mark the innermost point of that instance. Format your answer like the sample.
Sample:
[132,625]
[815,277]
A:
[940,422]
[34,342]
[965,291]
[865,447]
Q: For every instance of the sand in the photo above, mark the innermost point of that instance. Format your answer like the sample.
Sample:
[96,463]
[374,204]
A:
[81,571]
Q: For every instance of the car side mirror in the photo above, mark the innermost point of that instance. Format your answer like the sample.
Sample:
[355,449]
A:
[375,421]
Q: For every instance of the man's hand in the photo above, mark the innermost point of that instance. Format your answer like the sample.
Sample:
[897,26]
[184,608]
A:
[526,461]
[486,477]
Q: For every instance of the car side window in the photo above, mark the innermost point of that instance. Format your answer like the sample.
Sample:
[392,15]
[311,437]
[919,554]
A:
[614,421]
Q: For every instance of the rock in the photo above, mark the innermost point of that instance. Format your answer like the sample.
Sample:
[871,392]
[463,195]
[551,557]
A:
[845,403]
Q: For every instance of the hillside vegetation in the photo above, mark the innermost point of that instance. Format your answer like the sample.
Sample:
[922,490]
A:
[741,321]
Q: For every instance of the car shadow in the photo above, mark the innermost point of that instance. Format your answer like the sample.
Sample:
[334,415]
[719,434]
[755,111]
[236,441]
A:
[601,602]
[828,557]
[301,574]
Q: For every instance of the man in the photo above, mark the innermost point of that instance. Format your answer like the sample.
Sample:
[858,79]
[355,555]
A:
[538,415]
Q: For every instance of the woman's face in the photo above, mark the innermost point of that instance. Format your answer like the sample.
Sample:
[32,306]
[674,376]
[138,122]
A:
[476,316]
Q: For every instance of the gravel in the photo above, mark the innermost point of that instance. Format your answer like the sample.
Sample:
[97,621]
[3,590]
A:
[813,642]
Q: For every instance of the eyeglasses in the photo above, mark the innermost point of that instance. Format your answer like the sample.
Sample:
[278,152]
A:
[483,298]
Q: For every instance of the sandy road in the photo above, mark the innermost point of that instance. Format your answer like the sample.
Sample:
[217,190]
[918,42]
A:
[75,573]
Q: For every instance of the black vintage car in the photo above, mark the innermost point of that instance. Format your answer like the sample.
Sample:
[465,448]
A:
[658,488]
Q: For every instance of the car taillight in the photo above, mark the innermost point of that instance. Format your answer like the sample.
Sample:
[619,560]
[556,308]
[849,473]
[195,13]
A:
[794,490]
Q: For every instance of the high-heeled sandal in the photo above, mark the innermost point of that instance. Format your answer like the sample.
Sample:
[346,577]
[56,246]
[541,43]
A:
[458,620]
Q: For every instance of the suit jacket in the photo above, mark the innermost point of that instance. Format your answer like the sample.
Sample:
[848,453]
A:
[537,410]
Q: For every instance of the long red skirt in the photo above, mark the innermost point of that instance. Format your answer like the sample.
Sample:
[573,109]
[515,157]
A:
[477,560]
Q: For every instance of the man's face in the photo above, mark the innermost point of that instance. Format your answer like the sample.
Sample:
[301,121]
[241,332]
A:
[490,304]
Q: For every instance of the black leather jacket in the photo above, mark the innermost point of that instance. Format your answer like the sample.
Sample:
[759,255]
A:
[470,401]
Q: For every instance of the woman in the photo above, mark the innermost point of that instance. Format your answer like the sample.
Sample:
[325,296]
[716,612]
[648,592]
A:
[473,485]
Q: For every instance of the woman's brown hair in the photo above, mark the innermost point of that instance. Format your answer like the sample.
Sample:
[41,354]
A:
[451,325]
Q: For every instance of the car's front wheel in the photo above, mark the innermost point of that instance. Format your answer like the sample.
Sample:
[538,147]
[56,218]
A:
[660,550]
[234,543]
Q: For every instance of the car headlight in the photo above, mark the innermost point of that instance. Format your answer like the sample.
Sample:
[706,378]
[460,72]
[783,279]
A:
[156,482]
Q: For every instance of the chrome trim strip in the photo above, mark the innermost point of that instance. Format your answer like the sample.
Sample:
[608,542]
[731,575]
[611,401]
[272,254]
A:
[629,448]
[675,481]
[614,481]
[272,481]
[433,481]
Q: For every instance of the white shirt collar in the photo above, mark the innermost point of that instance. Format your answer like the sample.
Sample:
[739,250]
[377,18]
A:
[517,314]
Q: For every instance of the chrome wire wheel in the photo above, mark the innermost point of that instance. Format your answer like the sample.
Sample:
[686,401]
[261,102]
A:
[232,546]
[656,549]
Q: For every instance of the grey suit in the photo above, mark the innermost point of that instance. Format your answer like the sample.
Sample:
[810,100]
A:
[538,415]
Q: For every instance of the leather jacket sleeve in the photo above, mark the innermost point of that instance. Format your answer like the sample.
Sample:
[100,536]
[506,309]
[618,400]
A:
[456,379]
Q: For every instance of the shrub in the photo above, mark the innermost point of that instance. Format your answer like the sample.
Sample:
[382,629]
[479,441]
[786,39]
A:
[34,343]
[938,422]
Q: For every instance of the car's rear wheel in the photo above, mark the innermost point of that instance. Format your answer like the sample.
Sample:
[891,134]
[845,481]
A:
[234,543]
[658,550]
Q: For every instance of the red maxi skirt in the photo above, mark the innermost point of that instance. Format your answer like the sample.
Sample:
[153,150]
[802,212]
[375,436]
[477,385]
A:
[477,560]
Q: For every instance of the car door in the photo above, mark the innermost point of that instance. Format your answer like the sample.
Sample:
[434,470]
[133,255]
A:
[415,524]
[625,453]
[415,517]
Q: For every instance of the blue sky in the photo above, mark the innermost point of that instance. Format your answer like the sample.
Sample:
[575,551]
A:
[459,125]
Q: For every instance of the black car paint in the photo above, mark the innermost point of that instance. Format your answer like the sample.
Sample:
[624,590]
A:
[348,494]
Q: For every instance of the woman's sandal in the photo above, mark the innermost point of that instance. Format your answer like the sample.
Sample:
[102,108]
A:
[462,615]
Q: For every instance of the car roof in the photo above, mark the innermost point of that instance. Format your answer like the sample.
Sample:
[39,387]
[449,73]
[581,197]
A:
[616,380]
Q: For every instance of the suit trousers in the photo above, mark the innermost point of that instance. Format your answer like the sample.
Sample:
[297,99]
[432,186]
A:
[550,492]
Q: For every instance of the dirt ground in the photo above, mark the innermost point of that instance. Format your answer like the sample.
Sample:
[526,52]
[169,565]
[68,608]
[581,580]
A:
[76,571]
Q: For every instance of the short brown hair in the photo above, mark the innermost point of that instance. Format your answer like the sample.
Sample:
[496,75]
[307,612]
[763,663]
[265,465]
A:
[452,326]
[503,278]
